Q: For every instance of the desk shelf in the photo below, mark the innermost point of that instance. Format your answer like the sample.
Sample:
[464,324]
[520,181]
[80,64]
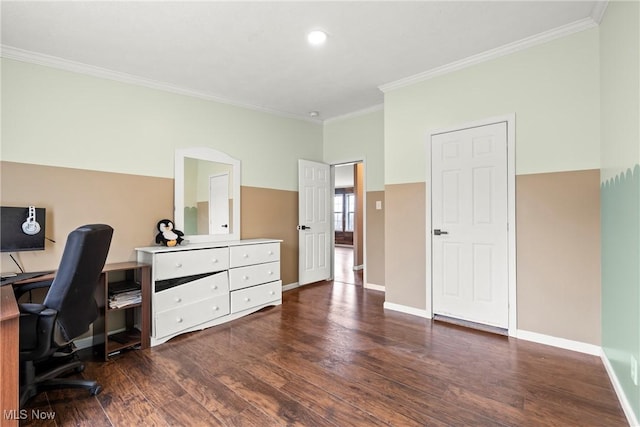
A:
[137,316]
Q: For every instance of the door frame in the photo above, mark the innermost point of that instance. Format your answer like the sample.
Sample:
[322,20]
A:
[510,119]
[332,166]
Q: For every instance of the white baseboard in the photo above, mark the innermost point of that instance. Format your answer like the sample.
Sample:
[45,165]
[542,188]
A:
[290,286]
[406,309]
[87,342]
[84,343]
[374,287]
[578,346]
[622,397]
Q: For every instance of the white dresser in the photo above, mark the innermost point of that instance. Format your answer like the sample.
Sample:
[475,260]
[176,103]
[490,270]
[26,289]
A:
[205,284]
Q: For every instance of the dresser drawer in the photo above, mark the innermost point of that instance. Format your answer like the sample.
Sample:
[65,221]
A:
[179,296]
[187,263]
[245,299]
[243,277]
[253,254]
[181,318]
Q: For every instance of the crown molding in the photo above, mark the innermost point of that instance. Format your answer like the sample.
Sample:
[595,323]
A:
[575,27]
[597,12]
[17,54]
[356,113]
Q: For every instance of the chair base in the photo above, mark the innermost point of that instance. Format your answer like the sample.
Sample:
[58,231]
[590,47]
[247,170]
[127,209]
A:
[33,384]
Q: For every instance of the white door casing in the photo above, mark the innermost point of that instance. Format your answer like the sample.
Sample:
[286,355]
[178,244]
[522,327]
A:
[219,203]
[315,205]
[469,200]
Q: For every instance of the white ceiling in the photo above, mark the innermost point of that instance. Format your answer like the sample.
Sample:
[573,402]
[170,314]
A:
[255,54]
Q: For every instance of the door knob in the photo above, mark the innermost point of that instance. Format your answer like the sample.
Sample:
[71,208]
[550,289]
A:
[438,232]
[303,227]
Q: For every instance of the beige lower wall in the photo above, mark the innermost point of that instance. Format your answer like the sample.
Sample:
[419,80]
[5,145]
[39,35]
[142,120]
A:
[273,213]
[134,204]
[404,236]
[131,204]
[558,252]
[375,238]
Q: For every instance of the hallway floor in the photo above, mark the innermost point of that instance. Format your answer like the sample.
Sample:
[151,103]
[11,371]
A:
[343,268]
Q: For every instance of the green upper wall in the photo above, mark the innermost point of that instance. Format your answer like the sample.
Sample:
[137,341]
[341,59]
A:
[620,193]
[552,88]
[620,71]
[359,137]
[59,118]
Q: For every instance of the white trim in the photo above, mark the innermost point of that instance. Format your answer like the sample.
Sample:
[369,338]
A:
[627,408]
[357,113]
[375,287]
[597,12]
[563,343]
[290,286]
[85,342]
[23,55]
[406,309]
[510,119]
[565,30]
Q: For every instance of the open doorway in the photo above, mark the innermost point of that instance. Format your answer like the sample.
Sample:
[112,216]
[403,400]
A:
[348,223]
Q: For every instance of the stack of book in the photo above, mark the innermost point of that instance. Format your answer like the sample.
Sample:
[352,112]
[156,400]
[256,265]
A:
[124,294]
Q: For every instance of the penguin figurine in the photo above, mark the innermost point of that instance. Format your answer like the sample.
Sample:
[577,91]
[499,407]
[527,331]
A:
[168,235]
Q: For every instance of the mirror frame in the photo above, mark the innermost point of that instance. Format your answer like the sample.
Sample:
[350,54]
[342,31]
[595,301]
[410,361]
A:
[211,155]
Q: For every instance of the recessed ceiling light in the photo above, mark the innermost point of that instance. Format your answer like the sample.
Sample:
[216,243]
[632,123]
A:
[317,37]
[314,114]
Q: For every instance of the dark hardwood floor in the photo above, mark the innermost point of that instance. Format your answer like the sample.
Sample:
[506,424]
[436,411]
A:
[331,355]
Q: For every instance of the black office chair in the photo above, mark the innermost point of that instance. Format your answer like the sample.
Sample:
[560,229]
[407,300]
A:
[66,313]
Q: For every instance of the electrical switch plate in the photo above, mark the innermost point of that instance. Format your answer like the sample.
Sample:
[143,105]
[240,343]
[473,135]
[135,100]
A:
[378,204]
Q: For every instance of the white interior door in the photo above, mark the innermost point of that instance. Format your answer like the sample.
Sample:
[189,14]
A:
[219,203]
[314,221]
[469,224]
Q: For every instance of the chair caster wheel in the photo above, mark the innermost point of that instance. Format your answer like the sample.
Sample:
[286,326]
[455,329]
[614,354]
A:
[94,391]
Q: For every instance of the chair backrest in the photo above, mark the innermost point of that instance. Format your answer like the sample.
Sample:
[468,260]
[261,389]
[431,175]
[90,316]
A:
[73,288]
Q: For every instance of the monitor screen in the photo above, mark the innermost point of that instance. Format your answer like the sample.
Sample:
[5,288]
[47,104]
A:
[13,237]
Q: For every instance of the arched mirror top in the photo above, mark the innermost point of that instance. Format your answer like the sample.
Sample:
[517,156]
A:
[207,194]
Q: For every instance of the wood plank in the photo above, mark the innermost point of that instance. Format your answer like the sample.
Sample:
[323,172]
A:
[331,355]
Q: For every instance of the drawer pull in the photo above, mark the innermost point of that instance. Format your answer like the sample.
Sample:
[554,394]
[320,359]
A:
[272,292]
[216,308]
[178,265]
[245,277]
[178,299]
[270,273]
[214,261]
[270,253]
[245,255]
[179,320]
[214,287]
[247,299]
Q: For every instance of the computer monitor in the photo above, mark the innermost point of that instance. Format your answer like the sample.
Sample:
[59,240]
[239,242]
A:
[21,229]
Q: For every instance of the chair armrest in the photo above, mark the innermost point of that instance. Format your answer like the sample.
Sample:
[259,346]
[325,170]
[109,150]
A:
[37,323]
[20,290]
[36,309]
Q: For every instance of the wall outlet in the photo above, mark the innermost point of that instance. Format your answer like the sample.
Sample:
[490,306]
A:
[634,370]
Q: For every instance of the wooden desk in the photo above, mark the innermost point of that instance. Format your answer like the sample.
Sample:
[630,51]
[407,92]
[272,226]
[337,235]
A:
[9,364]
[10,323]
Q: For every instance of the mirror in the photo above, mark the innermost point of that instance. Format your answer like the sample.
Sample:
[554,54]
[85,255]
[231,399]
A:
[207,195]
